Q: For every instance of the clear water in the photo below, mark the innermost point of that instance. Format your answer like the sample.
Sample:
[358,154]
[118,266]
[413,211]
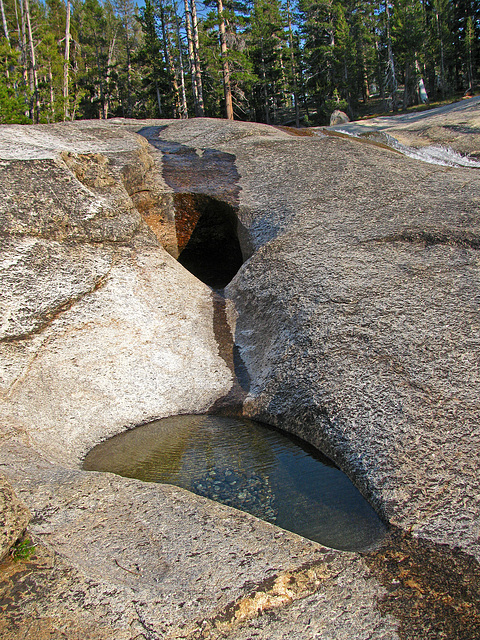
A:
[251,467]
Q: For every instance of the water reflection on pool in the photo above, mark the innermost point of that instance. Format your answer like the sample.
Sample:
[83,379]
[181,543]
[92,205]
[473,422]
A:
[251,467]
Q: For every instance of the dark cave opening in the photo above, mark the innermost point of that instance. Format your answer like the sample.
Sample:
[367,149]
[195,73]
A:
[212,251]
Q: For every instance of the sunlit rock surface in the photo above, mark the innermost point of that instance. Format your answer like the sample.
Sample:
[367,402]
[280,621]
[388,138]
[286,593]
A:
[455,126]
[355,321]
[101,328]
[358,316]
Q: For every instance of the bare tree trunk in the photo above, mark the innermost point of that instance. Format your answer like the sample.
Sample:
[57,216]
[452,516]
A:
[52,94]
[173,73]
[422,92]
[168,59]
[283,79]
[22,42]
[176,92]
[442,55]
[390,61]
[196,52]
[265,89]
[226,71]
[111,50]
[405,88]
[101,115]
[159,99]
[469,43]
[34,64]
[180,60]
[191,55]
[470,40]
[380,75]
[129,72]
[123,8]
[365,87]
[27,74]
[66,65]
[4,20]
[294,69]
[5,31]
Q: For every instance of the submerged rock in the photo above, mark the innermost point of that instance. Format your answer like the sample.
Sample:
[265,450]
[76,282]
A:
[247,491]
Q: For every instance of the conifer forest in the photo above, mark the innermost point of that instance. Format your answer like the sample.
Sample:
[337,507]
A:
[289,62]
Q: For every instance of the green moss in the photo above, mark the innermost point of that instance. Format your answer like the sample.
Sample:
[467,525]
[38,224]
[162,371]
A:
[23,549]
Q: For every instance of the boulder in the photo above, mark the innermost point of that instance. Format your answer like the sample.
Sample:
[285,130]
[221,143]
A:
[14,518]
[338,117]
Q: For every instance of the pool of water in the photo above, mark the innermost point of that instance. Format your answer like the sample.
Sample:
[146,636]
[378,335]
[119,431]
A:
[249,466]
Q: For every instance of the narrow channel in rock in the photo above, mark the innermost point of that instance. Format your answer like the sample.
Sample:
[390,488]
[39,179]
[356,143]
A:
[207,238]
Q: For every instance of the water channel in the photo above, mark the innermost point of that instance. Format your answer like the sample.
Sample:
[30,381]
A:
[249,466]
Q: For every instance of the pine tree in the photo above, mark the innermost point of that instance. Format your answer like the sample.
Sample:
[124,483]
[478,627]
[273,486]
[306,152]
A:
[154,74]
[227,89]
[12,100]
[407,37]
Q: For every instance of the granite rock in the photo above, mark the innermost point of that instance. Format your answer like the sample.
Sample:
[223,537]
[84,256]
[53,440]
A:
[353,323]
[358,317]
[338,117]
[456,126]
[122,559]
[14,518]
[101,328]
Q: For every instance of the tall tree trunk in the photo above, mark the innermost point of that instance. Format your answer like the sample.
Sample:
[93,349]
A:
[380,75]
[365,87]
[469,42]
[191,55]
[303,90]
[27,70]
[405,88]
[422,92]
[52,94]
[294,70]
[159,99]
[124,12]
[36,109]
[111,50]
[283,79]
[265,88]
[226,71]
[66,65]
[5,31]
[178,109]
[129,72]
[102,115]
[173,73]
[184,112]
[442,55]
[390,61]
[196,53]
[168,59]
[4,20]
[22,42]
